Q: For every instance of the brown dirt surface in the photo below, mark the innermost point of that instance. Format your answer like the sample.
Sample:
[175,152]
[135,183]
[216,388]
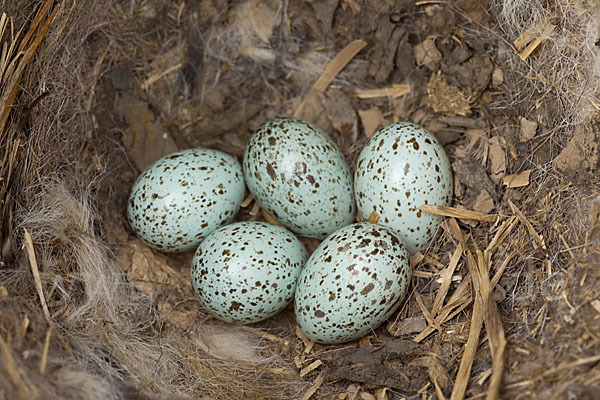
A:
[503,304]
[579,160]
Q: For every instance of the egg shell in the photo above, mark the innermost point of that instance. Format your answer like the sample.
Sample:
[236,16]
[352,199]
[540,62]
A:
[247,271]
[298,175]
[354,280]
[402,167]
[181,198]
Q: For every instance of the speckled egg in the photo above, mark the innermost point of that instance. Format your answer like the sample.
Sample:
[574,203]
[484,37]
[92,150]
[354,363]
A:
[181,198]
[353,281]
[401,168]
[298,175]
[247,271]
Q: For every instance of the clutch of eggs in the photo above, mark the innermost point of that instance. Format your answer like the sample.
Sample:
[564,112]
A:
[298,175]
[247,271]
[402,167]
[181,198]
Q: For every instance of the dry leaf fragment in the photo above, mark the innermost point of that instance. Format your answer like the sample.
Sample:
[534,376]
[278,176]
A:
[596,305]
[497,160]
[150,271]
[427,54]
[497,77]
[340,111]
[372,119]
[367,396]
[484,202]
[517,180]
[145,138]
[528,129]
[381,394]
[579,160]
[406,326]
[182,319]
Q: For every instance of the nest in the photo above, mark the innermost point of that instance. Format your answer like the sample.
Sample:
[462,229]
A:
[504,302]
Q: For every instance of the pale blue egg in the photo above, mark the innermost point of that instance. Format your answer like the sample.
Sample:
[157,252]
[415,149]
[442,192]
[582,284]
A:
[247,271]
[352,282]
[402,167]
[299,176]
[181,198]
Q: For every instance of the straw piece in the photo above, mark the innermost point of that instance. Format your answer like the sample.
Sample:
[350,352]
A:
[34,25]
[500,270]
[35,271]
[466,363]
[24,55]
[269,218]
[433,261]
[23,390]
[498,361]
[156,77]
[525,38]
[461,298]
[546,32]
[427,2]
[311,367]
[517,180]
[247,200]
[446,277]
[501,235]
[329,73]
[65,345]
[264,335]
[457,213]
[255,209]
[396,90]
[456,232]
[493,325]
[373,217]
[44,360]
[423,274]
[538,240]
[338,63]
[426,312]
[308,344]
[416,258]
[313,388]
[438,390]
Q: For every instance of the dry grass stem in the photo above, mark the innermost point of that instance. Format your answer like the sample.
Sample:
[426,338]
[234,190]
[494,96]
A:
[470,348]
[457,213]
[337,64]
[313,388]
[36,272]
[392,92]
